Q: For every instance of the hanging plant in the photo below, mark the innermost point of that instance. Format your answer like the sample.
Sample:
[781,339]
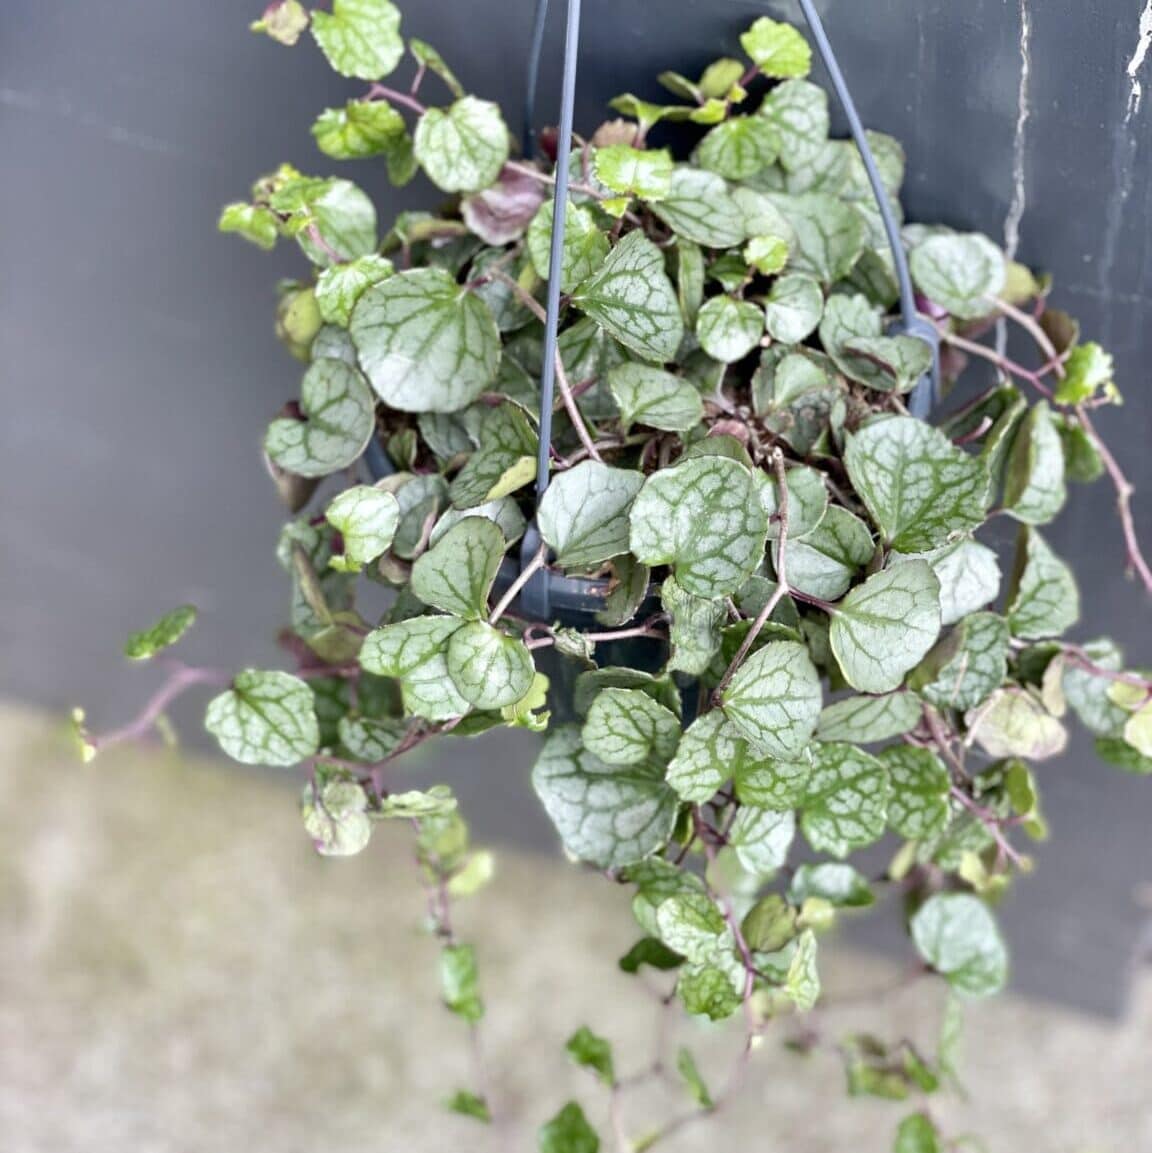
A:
[745,600]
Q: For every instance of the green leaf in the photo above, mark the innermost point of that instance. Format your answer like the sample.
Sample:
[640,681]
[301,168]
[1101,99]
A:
[739,148]
[585,245]
[421,499]
[869,720]
[969,576]
[1087,370]
[774,699]
[605,815]
[704,517]
[960,273]
[283,21]
[425,344]
[847,318]
[417,806]
[360,129]
[825,562]
[338,422]
[845,804]
[460,982]
[840,885]
[490,669]
[690,1074]
[767,254]
[777,49]
[170,628]
[1046,601]
[370,739]
[699,206]
[768,783]
[1087,692]
[807,501]
[957,935]
[694,627]
[462,148]
[1013,723]
[627,727]
[655,398]
[709,752]
[455,575]
[829,234]
[634,171]
[692,924]
[468,1104]
[1034,489]
[568,1132]
[633,299]
[360,38]
[729,329]
[253,222]
[1117,751]
[265,718]
[917,1134]
[886,626]
[341,286]
[1082,460]
[794,308]
[798,111]
[366,519]
[504,513]
[649,951]
[590,1051]
[332,220]
[505,462]
[770,924]
[335,817]
[968,665]
[918,486]
[707,991]
[583,515]
[803,982]
[429,58]
[762,838]
[918,809]
[415,652]
[886,363]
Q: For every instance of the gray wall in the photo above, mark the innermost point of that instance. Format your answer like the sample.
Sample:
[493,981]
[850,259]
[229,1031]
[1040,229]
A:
[139,366]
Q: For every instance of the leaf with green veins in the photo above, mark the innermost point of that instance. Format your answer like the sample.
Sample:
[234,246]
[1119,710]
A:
[251,221]
[918,486]
[338,421]
[762,838]
[366,519]
[460,982]
[593,681]
[708,755]
[847,318]
[693,627]
[767,254]
[455,575]
[505,462]
[1013,723]
[657,881]
[699,206]
[170,628]
[469,1104]
[829,234]
[504,513]
[583,514]
[761,216]
[689,278]
[414,652]
[420,498]
[360,129]
[341,286]
[627,727]
[730,271]
[961,273]
[868,720]
[627,590]
[265,718]
[283,21]
[1082,460]
[360,38]
[794,308]
[707,991]
[427,57]
[690,1074]
[1087,370]
[886,626]
[967,666]
[416,805]
[777,49]
[655,398]
[464,147]
[489,669]
[917,1134]
[807,501]
[845,804]
[568,1132]
[803,981]
[957,935]
[1046,600]
[633,299]
[969,576]
[703,517]
[335,817]
[1087,691]
[585,245]
[634,171]
[919,806]
[774,699]
[590,1051]
[825,562]
[332,220]
[1124,756]
[841,885]
[425,344]
[370,739]
[605,815]
[692,925]
[886,363]
[1034,489]
[729,329]
[798,111]
[739,148]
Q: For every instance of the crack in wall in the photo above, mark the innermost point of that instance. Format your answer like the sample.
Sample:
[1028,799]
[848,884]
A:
[1019,202]
[1139,55]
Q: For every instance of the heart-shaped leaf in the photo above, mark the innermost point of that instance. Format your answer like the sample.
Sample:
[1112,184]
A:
[829,234]
[957,935]
[729,329]
[739,148]
[1013,723]
[360,38]
[360,129]
[807,501]
[650,396]
[341,286]
[825,562]
[869,720]
[699,207]
[462,148]
[798,112]
[455,575]
[774,699]
[585,245]
[968,665]
[583,515]
[1046,600]
[845,805]
[693,627]
[1034,489]
[415,652]
[918,809]
[777,49]
[969,576]
[505,462]
[762,838]
[709,752]
[960,273]
[366,520]
[627,727]
[632,172]
[265,718]
[490,669]
[794,307]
